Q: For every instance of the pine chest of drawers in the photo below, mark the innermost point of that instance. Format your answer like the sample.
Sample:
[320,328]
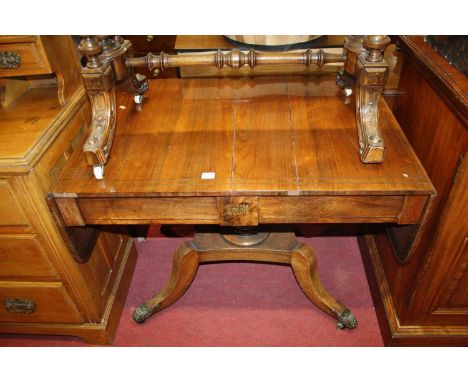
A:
[43,290]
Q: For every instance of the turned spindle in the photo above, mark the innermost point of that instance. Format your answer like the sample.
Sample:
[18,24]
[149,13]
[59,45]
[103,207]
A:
[235,59]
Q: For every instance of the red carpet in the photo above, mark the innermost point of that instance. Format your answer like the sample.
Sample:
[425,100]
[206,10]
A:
[241,304]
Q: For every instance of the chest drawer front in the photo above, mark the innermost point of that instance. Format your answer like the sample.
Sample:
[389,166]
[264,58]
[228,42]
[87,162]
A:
[23,256]
[36,302]
[11,213]
[32,60]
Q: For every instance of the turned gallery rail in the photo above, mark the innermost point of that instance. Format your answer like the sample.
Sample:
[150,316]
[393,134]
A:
[110,62]
[235,59]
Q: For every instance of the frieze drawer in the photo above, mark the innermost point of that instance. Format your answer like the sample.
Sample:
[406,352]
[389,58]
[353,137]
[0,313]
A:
[250,211]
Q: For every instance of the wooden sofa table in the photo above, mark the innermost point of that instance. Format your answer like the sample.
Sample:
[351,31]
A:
[243,153]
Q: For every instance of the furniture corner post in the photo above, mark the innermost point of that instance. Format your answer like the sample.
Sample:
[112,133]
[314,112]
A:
[98,78]
[371,75]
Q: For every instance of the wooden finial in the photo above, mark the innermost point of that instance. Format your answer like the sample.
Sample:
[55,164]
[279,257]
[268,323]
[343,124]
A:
[375,46]
[90,47]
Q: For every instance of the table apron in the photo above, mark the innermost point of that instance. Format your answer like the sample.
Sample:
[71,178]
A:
[401,209]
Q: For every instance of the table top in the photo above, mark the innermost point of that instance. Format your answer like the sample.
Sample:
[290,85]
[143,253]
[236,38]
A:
[263,136]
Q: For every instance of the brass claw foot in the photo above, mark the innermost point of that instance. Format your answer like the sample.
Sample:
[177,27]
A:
[142,313]
[346,320]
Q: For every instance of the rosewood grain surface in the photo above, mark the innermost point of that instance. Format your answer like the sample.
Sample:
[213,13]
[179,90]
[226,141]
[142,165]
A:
[271,136]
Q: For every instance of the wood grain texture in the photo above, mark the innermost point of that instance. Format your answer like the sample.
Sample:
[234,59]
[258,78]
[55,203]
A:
[144,44]
[271,209]
[262,137]
[37,138]
[63,59]
[52,301]
[41,55]
[200,43]
[184,269]
[439,138]
[289,142]
[15,39]
[12,213]
[451,84]
[442,291]
[70,211]
[28,128]
[278,247]
[97,332]
[425,300]
[263,152]
[304,265]
[12,89]
[23,257]
[236,58]
[395,332]
[33,59]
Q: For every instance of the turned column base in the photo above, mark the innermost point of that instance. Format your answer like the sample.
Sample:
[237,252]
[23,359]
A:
[275,247]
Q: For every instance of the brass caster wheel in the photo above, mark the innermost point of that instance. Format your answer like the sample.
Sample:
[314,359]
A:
[346,320]
[141,314]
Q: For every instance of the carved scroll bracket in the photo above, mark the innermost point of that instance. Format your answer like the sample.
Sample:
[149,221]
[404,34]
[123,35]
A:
[106,68]
[371,75]
[99,84]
